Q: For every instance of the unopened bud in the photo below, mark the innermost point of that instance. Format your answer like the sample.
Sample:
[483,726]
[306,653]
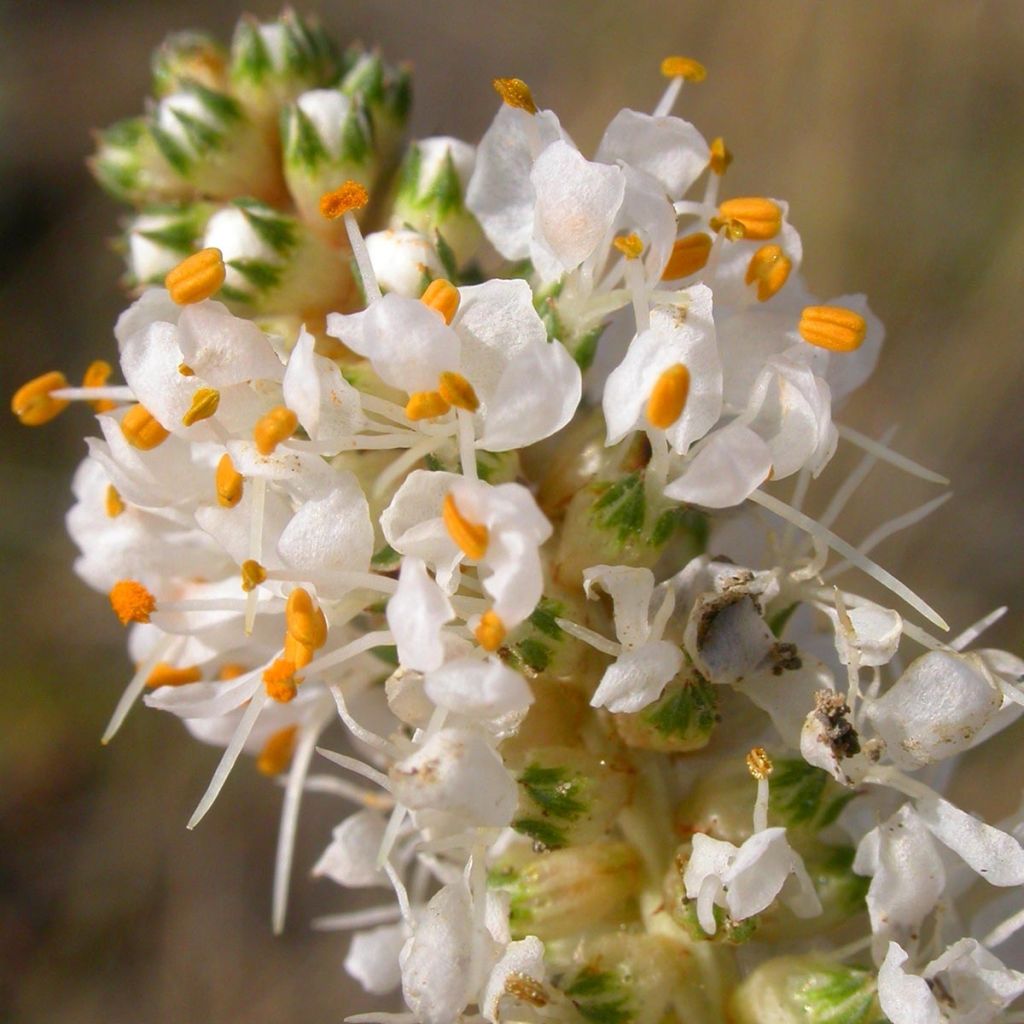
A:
[563,892]
[404,261]
[188,57]
[682,719]
[385,91]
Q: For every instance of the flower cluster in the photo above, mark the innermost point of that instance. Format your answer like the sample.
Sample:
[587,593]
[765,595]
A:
[475,462]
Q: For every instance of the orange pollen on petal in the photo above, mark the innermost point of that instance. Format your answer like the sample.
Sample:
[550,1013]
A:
[472,538]
[253,574]
[113,504]
[142,430]
[277,752]
[96,375]
[167,675]
[668,397]
[761,218]
[231,670]
[425,405]
[770,268]
[833,327]
[279,680]
[204,405]
[131,601]
[442,297]
[490,631]
[759,764]
[276,426]
[304,619]
[684,67]
[457,391]
[515,93]
[630,246]
[229,483]
[350,196]
[721,156]
[689,254]
[197,277]
[32,403]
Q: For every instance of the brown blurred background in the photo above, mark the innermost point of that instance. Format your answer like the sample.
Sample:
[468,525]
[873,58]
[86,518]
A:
[894,129]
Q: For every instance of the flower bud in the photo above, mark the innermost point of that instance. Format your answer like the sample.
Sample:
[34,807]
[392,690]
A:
[213,147]
[326,138]
[272,62]
[160,237]
[405,261]
[385,91]
[805,990]
[274,263]
[569,796]
[129,165]
[682,719]
[626,977]
[580,337]
[431,192]
[189,57]
[556,894]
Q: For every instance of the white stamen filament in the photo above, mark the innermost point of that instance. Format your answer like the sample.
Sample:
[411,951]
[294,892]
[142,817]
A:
[371,739]
[259,501]
[638,292]
[467,443]
[380,638]
[368,918]
[868,444]
[227,762]
[355,765]
[1004,930]
[669,97]
[162,650]
[118,393]
[761,806]
[862,562]
[850,485]
[401,464]
[972,632]
[371,289]
[331,785]
[588,636]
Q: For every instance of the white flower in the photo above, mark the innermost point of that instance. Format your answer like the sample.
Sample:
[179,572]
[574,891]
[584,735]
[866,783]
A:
[351,857]
[647,662]
[482,691]
[416,613]
[745,880]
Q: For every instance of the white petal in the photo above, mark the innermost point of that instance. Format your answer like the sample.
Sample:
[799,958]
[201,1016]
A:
[876,633]
[326,404]
[788,697]
[630,589]
[638,677]
[905,998]
[979,983]
[726,636]
[935,708]
[403,260]
[372,958]
[351,858]
[416,613]
[995,855]
[726,471]
[668,148]
[577,202]
[224,349]
[523,959]
[757,874]
[479,689]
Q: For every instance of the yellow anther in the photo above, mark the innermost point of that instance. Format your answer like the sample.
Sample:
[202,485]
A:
[276,426]
[113,504]
[185,370]
[471,537]
[350,196]
[761,218]
[229,483]
[733,229]
[490,631]
[443,297]
[167,675]
[668,397]
[457,391]
[142,430]
[277,752]
[298,653]
[425,405]
[630,246]
[770,268]
[131,601]
[833,328]
[231,670]
[516,93]
[759,764]
[197,277]
[689,254]
[32,403]
[304,619]
[253,574]
[280,682]
[97,374]
[721,157]
[204,405]
[684,67]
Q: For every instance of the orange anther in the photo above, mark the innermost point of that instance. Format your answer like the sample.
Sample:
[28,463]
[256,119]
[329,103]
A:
[472,538]
[96,375]
[761,218]
[142,430]
[277,752]
[425,405]
[457,391]
[276,426]
[167,675]
[32,403]
[770,268]
[131,601]
[515,93]
[442,297]
[668,397]
[833,328]
[197,277]
[204,405]
[684,67]
[689,254]
[350,196]
[721,157]
[113,504]
[490,631]
[280,682]
[304,619]
[253,574]
[229,483]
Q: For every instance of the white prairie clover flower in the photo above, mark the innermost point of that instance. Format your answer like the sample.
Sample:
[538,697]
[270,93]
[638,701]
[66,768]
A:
[352,480]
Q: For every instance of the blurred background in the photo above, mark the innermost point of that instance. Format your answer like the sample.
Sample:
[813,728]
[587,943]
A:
[894,128]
